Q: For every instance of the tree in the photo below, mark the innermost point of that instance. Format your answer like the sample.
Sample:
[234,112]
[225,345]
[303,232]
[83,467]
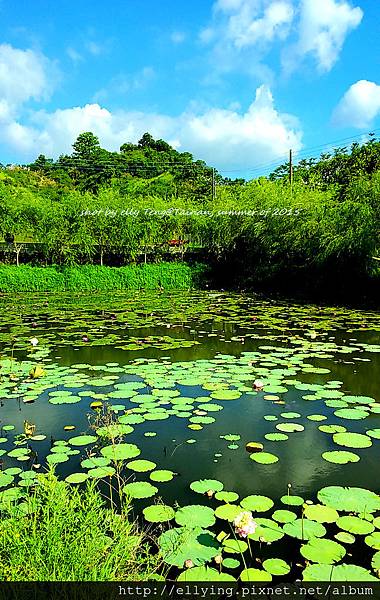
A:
[147,141]
[86,146]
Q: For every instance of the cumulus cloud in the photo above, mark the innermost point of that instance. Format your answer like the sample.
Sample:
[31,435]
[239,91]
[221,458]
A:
[24,75]
[322,29]
[250,22]
[359,106]
[247,23]
[242,32]
[225,138]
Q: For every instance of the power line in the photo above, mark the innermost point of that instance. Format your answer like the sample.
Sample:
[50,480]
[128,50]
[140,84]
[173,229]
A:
[118,163]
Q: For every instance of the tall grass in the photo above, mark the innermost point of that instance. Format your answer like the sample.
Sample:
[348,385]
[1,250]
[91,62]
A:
[167,276]
[68,534]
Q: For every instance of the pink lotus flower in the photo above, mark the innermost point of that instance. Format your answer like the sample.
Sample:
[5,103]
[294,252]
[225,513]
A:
[189,563]
[258,384]
[84,338]
[244,524]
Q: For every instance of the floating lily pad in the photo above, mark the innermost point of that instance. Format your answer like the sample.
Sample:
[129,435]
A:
[162,475]
[264,458]
[290,427]
[82,440]
[141,466]
[344,537]
[228,512]
[284,516]
[76,478]
[202,486]
[183,543]
[252,574]
[276,566]
[355,525]
[304,529]
[120,451]
[349,499]
[352,440]
[320,513]
[257,503]
[340,457]
[276,437]
[158,513]
[351,413]
[226,496]
[233,546]
[195,515]
[101,472]
[373,540]
[337,573]
[326,552]
[292,500]
[140,489]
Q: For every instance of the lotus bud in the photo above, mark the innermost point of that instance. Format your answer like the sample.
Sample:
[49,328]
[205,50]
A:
[258,384]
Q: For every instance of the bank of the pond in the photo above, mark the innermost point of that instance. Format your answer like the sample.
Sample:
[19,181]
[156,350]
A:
[166,276]
[83,539]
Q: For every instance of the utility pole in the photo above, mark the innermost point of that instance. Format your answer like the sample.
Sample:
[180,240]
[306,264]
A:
[291,169]
[213,185]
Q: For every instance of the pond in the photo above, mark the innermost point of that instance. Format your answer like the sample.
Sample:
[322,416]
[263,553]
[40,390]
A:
[179,384]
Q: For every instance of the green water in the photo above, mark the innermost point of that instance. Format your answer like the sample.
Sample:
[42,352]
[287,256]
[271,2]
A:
[190,340]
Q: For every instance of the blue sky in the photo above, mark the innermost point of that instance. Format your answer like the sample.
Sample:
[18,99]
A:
[235,82]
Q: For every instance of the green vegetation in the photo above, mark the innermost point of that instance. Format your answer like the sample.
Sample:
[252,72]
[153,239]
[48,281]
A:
[61,533]
[149,202]
[167,432]
[166,276]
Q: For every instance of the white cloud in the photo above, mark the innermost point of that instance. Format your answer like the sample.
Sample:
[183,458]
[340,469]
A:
[24,75]
[322,30]
[223,137]
[253,23]
[245,23]
[359,106]
[74,55]
[178,37]
[95,48]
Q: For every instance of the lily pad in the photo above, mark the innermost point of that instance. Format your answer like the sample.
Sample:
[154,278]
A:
[257,503]
[158,513]
[195,515]
[304,529]
[140,489]
[264,458]
[340,457]
[120,451]
[276,566]
[326,552]
[202,486]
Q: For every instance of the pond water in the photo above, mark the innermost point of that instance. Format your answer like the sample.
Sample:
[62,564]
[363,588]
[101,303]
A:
[179,370]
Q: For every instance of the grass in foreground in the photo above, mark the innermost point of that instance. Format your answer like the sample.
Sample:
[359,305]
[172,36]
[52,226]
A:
[70,535]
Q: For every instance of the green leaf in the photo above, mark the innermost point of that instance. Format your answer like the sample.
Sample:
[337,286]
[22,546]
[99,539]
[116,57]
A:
[257,503]
[323,551]
[304,529]
[195,515]
[158,513]
[276,566]
[140,489]
[120,451]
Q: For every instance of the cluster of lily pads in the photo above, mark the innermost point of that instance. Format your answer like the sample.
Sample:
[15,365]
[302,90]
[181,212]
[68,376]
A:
[201,539]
